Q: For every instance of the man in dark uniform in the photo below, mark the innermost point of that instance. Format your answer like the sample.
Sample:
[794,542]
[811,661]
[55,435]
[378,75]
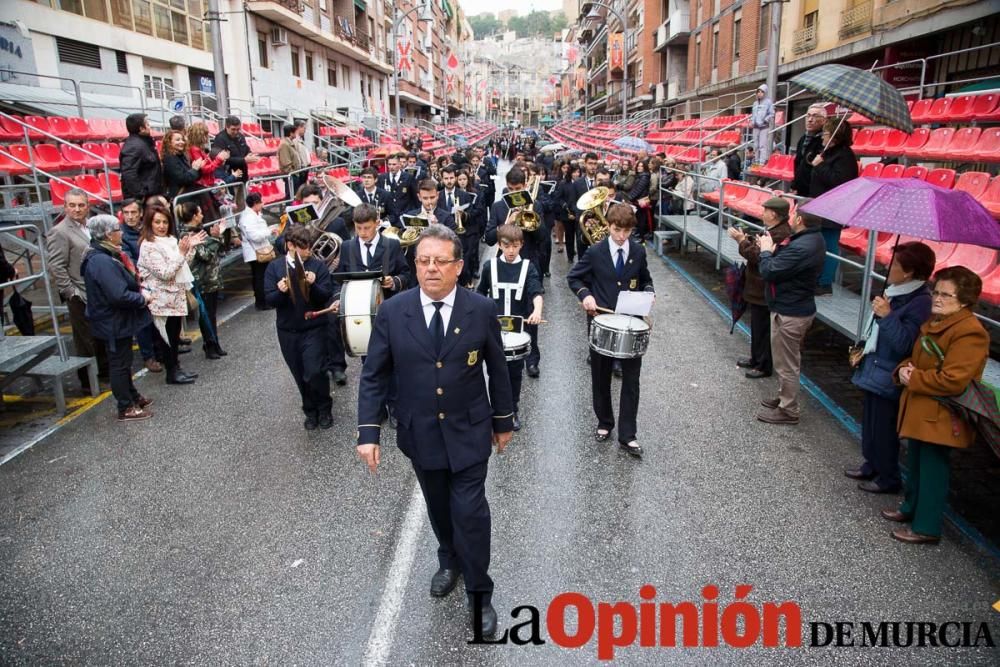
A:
[435,339]
[371,194]
[516,288]
[370,251]
[614,265]
[399,188]
[294,285]
[449,199]
[516,182]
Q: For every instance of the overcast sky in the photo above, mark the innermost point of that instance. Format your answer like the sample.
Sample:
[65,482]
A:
[473,7]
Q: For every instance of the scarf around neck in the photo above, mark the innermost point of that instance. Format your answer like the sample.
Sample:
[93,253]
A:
[891,292]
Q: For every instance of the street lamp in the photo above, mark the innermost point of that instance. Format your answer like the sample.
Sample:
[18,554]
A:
[588,12]
[426,16]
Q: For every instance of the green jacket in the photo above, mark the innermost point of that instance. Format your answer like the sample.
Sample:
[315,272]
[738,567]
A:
[205,265]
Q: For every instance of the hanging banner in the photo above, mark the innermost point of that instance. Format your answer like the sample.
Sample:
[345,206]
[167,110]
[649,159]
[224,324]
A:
[450,80]
[452,62]
[581,78]
[616,52]
[404,46]
[482,89]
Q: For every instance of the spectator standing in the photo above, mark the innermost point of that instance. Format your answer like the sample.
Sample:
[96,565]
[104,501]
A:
[639,197]
[289,158]
[197,147]
[734,164]
[775,218]
[834,166]
[131,222]
[207,271]
[951,351]
[624,178]
[116,310]
[761,115]
[165,279]
[234,142]
[67,243]
[179,174]
[892,329]
[142,175]
[178,123]
[256,236]
[789,271]
[809,146]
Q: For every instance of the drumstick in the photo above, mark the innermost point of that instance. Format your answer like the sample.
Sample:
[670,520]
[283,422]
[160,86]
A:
[604,310]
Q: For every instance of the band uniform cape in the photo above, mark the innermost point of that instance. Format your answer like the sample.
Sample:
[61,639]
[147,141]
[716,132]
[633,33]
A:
[387,257]
[594,274]
[446,419]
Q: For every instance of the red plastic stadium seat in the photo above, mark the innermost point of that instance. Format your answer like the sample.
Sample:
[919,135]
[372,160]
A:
[991,198]
[10,167]
[987,149]
[973,182]
[991,288]
[872,170]
[939,111]
[943,178]
[15,130]
[40,123]
[936,147]
[92,186]
[877,144]
[961,108]
[60,127]
[915,142]
[893,171]
[111,153]
[894,143]
[861,140]
[75,157]
[962,144]
[854,238]
[986,107]
[920,110]
[58,190]
[977,259]
[46,156]
[80,127]
[117,129]
[916,171]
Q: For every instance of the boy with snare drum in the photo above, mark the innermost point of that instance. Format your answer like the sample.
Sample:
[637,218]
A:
[515,286]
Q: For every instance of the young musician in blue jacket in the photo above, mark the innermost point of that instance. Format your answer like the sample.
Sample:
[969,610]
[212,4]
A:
[614,265]
[450,197]
[514,285]
[295,284]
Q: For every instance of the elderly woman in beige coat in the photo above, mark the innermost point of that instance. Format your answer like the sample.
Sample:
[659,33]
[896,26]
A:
[166,278]
[950,352]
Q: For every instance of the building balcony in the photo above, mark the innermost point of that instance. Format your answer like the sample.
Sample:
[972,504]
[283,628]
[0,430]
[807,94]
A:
[674,31]
[667,91]
[601,69]
[856,20]
[804,39]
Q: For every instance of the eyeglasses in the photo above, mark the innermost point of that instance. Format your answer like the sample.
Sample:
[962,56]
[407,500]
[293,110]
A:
[437,261]
[943,295]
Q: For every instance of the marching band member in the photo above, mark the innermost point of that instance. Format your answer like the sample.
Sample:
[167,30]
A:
[399,189]
[370,251]
[475,220]
[429,209]
[436,341]
[514,285]
[370,193]
[295,284]
[450,199]
[614,265]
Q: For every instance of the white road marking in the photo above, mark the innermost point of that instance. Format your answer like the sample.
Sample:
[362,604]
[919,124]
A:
[380,640]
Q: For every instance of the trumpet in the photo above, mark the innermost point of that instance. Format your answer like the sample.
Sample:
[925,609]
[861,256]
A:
[459,227]
[593,225]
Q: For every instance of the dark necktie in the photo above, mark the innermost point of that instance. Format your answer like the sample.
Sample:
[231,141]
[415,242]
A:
[447,198]
[620,263]
[590,184]
[368,254]
[437,327]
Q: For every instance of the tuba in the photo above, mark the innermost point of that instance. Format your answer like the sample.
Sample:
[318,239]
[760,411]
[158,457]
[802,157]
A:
[521,213]
[410,233]
[326,248]
[593,224]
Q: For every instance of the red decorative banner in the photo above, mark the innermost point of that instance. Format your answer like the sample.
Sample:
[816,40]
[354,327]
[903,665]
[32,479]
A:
[452,62]
[616,52]
[450,79]
[404,48]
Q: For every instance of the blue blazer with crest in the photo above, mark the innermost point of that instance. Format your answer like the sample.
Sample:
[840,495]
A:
[594,274]
[446,418]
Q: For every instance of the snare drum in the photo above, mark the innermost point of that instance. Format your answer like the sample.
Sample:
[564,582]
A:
[359,301]
[516,345]
[619,336]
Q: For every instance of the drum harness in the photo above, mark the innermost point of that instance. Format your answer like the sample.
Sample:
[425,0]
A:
[517,289]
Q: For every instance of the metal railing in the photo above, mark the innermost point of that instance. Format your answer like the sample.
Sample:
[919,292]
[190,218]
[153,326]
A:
[12,231]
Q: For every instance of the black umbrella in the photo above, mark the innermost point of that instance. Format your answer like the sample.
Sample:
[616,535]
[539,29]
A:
[20,308]
[736,279]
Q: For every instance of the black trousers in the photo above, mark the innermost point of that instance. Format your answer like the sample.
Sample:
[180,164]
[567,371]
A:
[469,240]
[257,270]
[460,517]
[880,441]
[84,344]
[336,356]
[305,355]
[570,227]
[208,321]
[535,356]
[515,371]
[760,338]
[545,249]
[628,407]
[167,349]
[120,372]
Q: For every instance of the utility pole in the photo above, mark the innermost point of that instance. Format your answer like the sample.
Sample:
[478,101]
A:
[221,88]
[774,49]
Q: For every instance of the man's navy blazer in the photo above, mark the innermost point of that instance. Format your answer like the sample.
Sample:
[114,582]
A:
[388,254]
[446,417]
[594,274]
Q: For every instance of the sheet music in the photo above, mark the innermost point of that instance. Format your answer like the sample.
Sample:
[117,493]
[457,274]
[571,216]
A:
[639,304]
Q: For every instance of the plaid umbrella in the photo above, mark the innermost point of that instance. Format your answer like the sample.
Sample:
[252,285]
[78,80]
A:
[633,144]
[861,91]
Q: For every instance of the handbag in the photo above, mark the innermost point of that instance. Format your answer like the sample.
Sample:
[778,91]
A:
[266,254]
[856,352]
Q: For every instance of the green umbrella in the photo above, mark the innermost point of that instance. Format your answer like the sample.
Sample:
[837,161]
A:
[861,91]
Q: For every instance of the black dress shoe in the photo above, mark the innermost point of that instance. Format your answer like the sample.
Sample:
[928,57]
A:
[756,374]
[326,422]
[183,350]
[517,423]
[858,473]
[211,354]
[311,423]
[872,487]
[601,437]
[632,448]
[487,621]
[746,363]
[219,351]
[340,377]
[179,377]
[188,373]
[443,582]
[184,341]
[532,371]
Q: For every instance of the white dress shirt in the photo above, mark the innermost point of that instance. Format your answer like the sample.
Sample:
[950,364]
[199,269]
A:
[614,251]
[370,196]
[427,304]
[361,245]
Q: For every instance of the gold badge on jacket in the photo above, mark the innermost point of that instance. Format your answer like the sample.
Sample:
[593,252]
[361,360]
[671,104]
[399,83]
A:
[473,357]
[634,283]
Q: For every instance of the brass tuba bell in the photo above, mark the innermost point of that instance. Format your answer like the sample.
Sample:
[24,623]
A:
[521,214]
[593,225]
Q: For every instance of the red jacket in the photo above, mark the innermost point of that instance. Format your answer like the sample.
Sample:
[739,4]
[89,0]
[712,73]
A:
[207,170]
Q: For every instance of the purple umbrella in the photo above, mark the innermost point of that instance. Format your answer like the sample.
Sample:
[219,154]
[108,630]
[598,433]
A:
[908,206]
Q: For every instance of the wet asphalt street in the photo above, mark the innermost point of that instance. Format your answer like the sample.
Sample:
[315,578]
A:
[221,533]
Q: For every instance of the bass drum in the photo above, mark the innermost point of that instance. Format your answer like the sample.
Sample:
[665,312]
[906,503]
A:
[619,336]
[359,301]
